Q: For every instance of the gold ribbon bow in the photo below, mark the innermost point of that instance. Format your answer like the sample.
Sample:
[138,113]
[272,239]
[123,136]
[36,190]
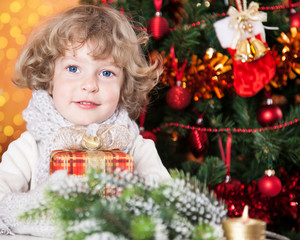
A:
[108,137]
[239,20]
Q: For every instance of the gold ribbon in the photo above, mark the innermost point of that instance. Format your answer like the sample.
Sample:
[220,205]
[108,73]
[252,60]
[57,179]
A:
[108,137]
[239,20]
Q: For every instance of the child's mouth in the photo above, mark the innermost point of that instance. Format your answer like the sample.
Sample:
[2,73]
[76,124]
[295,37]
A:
[87,104]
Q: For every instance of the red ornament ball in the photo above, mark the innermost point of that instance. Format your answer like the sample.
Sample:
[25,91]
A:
[198,141]
[269,185]
[149,135]
[232,185]
[178,98]
[158,27]
[268,115]
[295,19]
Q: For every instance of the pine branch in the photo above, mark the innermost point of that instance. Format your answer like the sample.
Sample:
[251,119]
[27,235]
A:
[211,172]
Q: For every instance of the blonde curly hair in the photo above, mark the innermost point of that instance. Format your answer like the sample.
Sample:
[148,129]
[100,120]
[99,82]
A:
[110,32]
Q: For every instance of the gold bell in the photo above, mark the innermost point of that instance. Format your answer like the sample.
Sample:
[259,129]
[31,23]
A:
[243,51]
[258,48]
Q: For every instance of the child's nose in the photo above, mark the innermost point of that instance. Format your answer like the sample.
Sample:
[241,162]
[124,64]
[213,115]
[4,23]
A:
[90,84]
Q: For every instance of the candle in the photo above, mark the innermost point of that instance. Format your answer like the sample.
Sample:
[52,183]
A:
[244,228]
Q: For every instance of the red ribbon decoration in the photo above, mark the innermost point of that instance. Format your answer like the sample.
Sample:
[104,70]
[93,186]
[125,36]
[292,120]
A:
[157,4]
[179,75]
[142,118]
[238,5]
[226,158]
[268,94]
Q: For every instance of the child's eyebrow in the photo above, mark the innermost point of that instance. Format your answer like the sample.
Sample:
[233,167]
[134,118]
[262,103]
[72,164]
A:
[114,64]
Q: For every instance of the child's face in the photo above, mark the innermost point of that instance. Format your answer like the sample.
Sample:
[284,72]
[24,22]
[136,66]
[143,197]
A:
[86,90]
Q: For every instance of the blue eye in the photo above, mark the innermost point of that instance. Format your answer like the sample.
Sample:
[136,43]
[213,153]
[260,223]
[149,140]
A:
[73,69]
[106,73]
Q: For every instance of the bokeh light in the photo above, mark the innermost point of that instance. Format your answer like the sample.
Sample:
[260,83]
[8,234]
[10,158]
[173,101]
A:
[17,19]
[5,18]
[8,131]
[2,101]
[11,53]
[18,120]
[33,18]
[15,6]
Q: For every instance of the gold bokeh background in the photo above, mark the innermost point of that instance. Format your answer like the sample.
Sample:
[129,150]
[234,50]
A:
[17,20]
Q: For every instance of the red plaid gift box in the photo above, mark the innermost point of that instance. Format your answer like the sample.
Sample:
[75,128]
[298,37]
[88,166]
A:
[77,162]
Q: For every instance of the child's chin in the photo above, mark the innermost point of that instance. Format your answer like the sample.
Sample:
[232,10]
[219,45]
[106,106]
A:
[82,123]
[85,119]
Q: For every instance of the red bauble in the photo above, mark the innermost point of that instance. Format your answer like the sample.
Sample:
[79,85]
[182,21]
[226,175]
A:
[178,98]
[269,184]
[149,135]
[268,115]
[198,142]
[295,19]
[231,184]
[158,26]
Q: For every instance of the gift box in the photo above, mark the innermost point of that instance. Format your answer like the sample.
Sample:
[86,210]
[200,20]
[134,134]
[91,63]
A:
[78,162]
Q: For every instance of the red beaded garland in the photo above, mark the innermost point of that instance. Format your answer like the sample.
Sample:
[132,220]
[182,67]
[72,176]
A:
[233,130]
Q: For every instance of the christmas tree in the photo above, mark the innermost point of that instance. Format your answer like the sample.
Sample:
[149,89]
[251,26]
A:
[227,109]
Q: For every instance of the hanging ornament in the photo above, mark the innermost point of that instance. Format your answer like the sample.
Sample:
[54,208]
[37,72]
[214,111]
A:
[294,16]
[295,19]
[250,50]
[146,134]
[178,97]
[198,140]
[242,34]
[158,26]
[269,185]
[269,114]
[262,207]
[229,184]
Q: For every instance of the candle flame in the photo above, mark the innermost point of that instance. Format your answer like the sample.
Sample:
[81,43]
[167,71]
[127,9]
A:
[245,217]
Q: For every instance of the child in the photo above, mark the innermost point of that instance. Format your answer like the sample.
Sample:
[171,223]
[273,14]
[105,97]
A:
[86,68]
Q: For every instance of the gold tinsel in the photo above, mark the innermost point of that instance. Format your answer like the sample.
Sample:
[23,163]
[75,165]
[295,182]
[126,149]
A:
[205,77]
[287,58]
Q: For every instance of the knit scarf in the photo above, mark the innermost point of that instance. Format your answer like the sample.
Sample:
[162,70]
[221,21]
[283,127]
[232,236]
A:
[43,121]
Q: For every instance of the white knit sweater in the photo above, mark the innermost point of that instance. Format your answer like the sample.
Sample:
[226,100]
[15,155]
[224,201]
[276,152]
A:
[22,173]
